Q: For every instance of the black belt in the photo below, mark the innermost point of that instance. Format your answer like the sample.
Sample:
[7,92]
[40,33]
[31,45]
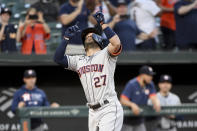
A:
[96,106]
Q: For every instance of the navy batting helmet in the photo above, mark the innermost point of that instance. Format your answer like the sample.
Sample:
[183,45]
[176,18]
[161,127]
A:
[96,37]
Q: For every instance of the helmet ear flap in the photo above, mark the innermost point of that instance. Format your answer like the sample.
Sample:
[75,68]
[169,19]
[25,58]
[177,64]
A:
[98,39]
[96,36]
[102,42]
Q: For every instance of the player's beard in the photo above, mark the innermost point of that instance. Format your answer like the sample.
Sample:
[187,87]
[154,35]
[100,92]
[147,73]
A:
[145,83]
[91,44]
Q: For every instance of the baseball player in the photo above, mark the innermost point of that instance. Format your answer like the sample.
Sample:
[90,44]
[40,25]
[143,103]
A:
[167,98]
[29,95]
[96,72]
[136,93]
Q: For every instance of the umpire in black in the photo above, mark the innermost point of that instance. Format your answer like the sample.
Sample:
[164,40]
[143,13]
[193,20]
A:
[7,32]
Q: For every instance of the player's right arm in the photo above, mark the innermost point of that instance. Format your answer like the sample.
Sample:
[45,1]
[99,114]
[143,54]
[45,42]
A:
[60,57]
[17,103]
[126,98]
[126,102]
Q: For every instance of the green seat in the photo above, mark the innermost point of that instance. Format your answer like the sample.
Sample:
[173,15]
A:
[54,25]
[54,41]
[9,3]
[18,8]
[19,12]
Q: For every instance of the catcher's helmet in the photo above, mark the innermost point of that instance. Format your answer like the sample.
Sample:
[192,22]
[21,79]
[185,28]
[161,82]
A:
[96,37]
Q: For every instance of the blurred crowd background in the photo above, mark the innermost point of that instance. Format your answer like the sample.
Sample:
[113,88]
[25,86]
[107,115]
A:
[36,27]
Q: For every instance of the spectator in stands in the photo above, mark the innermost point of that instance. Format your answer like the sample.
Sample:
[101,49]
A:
[29,95]
[7,32]
[126,28]
[70,13]
[168,25]
[135,94]
[33,33]
[48,8]
[186,24]
[102,5]
[166,98]
[143,12]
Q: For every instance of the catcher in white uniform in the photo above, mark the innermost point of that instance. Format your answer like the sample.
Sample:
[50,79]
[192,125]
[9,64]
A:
[96,72]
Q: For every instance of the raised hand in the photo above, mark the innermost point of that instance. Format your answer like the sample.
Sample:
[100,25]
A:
[195,4]
[40,16]
[80,3]
[20,23]
[99,17]
[80,6]
[116,19]
[71,31]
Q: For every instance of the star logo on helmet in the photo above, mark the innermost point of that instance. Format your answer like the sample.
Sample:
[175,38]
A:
[166,77]
[150,69]
[30,72]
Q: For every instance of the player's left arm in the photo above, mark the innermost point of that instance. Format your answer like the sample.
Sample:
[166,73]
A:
[156,103]
[153,97]
[114,46]
[15,102]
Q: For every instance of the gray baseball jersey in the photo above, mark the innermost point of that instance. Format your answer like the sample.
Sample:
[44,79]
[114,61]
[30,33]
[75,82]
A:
[96,73]
[169,100]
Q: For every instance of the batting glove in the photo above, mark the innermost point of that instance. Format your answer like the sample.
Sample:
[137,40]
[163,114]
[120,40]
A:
[99,17]
[71,31]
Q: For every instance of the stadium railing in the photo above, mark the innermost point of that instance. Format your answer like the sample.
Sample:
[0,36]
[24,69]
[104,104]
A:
[82,111]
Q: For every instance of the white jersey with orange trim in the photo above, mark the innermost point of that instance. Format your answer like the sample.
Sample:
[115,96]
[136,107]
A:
[96,73]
